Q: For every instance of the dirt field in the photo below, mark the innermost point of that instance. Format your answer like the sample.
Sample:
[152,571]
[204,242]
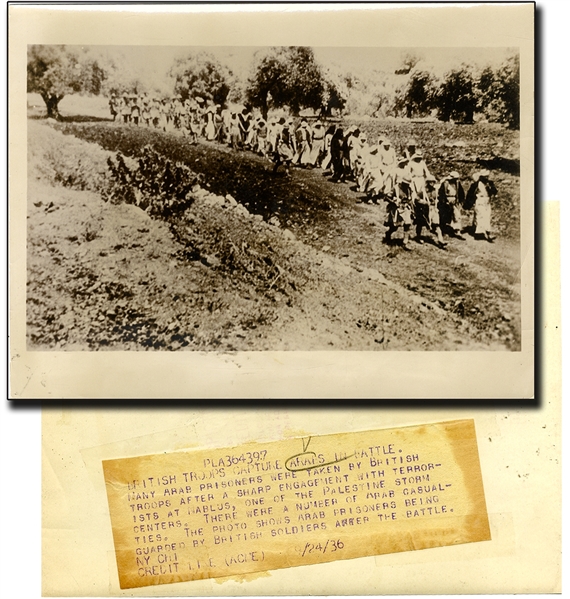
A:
[259,261]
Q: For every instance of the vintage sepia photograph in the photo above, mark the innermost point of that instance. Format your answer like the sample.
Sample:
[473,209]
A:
[273,198]
[308,201]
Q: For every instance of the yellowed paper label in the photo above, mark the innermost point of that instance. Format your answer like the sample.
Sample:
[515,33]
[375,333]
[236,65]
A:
[211,513]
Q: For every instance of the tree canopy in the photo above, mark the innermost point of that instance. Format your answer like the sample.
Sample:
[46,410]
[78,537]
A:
[500,92]
[201,75]
[409,61]
[56,71]
[420,94]
[334,98]
[290,76]
[457,96]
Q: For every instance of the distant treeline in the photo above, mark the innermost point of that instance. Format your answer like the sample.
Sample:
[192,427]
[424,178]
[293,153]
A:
[291,78]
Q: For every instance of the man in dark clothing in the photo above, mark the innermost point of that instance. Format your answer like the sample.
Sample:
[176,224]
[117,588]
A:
[337,155]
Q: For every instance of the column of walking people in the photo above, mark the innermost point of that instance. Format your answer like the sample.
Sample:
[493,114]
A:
[416,200]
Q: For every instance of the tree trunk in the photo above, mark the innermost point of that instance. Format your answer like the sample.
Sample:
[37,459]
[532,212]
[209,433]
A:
[52,103]
[264,108]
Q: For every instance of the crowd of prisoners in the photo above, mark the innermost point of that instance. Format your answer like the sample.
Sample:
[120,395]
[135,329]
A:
[415,199]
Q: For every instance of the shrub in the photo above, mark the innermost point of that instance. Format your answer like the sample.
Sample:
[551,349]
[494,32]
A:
[154,183]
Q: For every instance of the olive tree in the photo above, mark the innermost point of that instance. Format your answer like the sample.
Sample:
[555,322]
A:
[500,92]
[56,71]
[457,96]
[290,76]
[201,75]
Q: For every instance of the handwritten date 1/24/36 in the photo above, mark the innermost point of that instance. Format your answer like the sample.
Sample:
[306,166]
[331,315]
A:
[330,546]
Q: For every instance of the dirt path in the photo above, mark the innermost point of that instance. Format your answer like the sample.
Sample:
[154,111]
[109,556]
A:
[343,288]
[470,279]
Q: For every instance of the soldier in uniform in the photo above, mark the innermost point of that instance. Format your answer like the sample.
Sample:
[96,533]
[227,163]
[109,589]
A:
[411,148]
[193,120]
[400,207]
[375,179]
[135,110]
[426,213]
[337,155]
[284,152]
[200,121]
[113,105]
[225,130]
[126,109]
[155,112]
[178,110]
[362,162]
[272,131]
[145,110]
[451,197]
[327,148]
[185,117]
[166,115]
[218,122]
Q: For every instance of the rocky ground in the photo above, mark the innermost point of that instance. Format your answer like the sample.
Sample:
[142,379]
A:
[258,261]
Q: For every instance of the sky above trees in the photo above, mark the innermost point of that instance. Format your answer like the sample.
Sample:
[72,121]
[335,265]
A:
[152,63]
